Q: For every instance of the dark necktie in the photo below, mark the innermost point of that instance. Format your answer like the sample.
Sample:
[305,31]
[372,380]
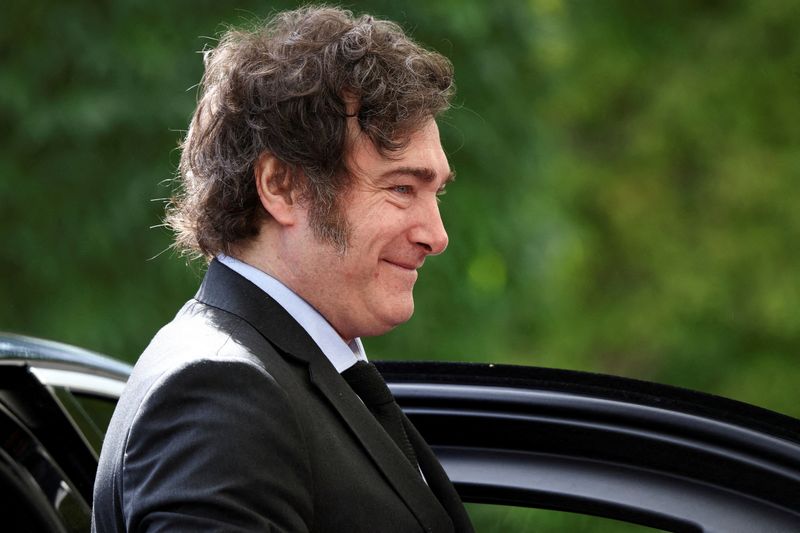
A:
[367,382]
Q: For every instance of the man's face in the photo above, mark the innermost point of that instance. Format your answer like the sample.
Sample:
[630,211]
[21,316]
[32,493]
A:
[393,217]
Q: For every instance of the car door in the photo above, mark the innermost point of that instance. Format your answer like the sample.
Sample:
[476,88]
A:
[628,450]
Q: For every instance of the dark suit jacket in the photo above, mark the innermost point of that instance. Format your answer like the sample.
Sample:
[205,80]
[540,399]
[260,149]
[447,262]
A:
[234,420]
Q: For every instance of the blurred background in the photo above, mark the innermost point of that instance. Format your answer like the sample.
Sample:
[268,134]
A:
[627,198]
[626,202]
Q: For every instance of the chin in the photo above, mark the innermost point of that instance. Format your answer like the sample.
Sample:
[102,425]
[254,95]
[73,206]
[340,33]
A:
[392,317]
[401,313]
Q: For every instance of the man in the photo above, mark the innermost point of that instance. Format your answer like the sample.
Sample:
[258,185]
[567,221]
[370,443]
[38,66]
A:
[311,173]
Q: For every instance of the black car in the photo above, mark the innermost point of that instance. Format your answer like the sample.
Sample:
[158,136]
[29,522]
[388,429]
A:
[510,437]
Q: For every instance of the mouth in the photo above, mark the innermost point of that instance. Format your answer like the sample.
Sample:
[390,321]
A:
[411,267]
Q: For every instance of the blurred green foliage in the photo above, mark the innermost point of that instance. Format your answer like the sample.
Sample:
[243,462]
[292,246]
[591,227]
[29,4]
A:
[627,193]
[505,519]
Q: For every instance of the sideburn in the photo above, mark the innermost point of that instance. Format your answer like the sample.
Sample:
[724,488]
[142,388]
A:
[329,222]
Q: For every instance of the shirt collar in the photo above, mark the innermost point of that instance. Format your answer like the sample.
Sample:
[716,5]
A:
[341,354]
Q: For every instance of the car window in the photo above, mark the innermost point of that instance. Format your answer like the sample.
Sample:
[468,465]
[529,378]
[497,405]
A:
[501,518]
[87,399]
[90,414]
[98,408]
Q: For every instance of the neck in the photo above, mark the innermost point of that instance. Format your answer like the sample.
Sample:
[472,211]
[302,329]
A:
[267,259]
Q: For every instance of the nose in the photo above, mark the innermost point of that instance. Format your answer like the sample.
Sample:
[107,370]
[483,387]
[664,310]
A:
[429,233]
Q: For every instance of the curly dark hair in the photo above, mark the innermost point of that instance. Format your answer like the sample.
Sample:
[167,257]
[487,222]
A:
[284,89]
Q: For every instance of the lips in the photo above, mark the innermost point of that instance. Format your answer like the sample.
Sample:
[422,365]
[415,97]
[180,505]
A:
[405,265]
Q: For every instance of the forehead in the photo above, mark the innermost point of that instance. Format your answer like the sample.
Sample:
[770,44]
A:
[423,158]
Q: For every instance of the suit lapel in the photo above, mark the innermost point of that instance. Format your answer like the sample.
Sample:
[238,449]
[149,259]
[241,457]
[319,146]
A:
[384,452]
[227,290]
[438,481]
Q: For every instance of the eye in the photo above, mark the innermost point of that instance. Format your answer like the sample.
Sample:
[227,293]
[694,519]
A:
[403,189]
[439,194]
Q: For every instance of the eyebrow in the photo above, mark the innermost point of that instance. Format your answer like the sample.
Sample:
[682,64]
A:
[421,173]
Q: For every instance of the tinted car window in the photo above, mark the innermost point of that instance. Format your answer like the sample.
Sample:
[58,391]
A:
[98,409]
[91,414]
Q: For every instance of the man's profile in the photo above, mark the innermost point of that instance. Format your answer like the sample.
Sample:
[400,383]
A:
[311,173]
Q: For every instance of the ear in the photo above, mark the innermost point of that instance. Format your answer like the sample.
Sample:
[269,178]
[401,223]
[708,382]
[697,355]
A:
[275,189]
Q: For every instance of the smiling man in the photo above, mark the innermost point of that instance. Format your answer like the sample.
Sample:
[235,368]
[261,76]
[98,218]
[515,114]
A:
[311,174]
[390,223]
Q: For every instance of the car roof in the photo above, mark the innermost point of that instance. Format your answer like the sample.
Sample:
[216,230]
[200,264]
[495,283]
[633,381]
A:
[38,352]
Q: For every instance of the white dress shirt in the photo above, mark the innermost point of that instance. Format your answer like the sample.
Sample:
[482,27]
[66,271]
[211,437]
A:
[341,354]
